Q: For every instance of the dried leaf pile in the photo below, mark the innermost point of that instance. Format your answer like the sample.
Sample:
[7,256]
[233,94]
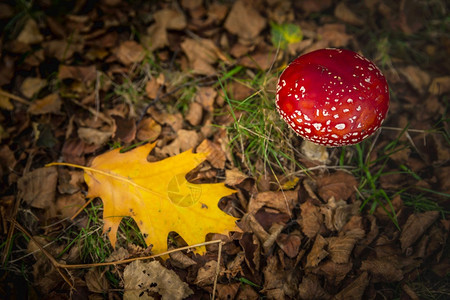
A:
[77,80]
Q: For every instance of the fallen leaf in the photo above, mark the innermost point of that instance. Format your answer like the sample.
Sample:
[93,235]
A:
[216,156]
[94,136]
[382,270]
[201,53]
[5,102]
[125,129]
[234,177]
[333,272]
[317,253]
[31,86]
[340,186]
[415,226]
[164,19]
[311,219]
[152,88]
[354,290]
[205,96]
[68,205]
[440,85]
[283,201]
[142,279]
[344,13]
[310,288]
[313,6]
[130,52]
[38,187]
[340,248]
[30,33]
[148,130]
[416,77]
[290,243]
[157,196]
[194,114]
[228,291]
[49,104]
[244,21]
[96,280]
[333,35]
[186,139]
[80,73]
[206,274]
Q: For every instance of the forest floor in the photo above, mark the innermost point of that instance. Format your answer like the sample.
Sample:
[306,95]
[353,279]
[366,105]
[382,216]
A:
[81,78]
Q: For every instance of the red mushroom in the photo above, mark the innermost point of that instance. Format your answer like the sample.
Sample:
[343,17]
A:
[333,97]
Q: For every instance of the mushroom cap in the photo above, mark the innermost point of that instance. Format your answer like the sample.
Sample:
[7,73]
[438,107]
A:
[332,97]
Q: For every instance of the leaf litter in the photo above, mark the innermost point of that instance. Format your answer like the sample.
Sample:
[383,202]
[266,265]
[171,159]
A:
[76,85]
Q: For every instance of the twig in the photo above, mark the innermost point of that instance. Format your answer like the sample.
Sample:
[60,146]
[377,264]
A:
[14,97]
[53,261]
[219,258]
[112,263]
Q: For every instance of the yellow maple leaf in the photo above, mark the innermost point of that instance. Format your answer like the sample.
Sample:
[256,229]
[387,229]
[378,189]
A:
[157,196]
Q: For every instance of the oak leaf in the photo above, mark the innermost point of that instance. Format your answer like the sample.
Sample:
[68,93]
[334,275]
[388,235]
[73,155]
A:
[157,196]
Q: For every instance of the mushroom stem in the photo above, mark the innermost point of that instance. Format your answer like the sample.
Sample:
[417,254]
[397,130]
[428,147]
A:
[314,151]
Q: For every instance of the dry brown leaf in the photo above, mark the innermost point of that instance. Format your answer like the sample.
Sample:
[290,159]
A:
[142,277]
[173,120]
[234,177]
[382,269]
[216,156]
[164,19]
[205,96]
[440,85]
[80,73]
[317,253]
[311,219]
[354,290]
[130,52]
[5,103]
[152,88]
[194,114]
[38,187]
[68,205]
[313,6]
[96,281]
[283,201]
[415,226]
[181,260]
[333,272]
[30,33]
[206,274]
[185,140]
[62,50]
[345,14]
[94,136]
[290,243]
[340,185]
[31,86]
[148,130]
[340,248]
[311,289]
[333,35]
[244,21]
[201,53]
[227,291]
[49,104]
[416,77]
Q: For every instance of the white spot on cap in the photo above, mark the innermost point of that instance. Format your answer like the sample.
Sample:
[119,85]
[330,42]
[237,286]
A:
[306,117]
[333,108]
[308,130]
[317,126]
[346,110]
[358,108]
[302,89]
[325,113]
[283,82]
[336,116]
[350,100]
[334,136]
[340,126]
[328,122]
